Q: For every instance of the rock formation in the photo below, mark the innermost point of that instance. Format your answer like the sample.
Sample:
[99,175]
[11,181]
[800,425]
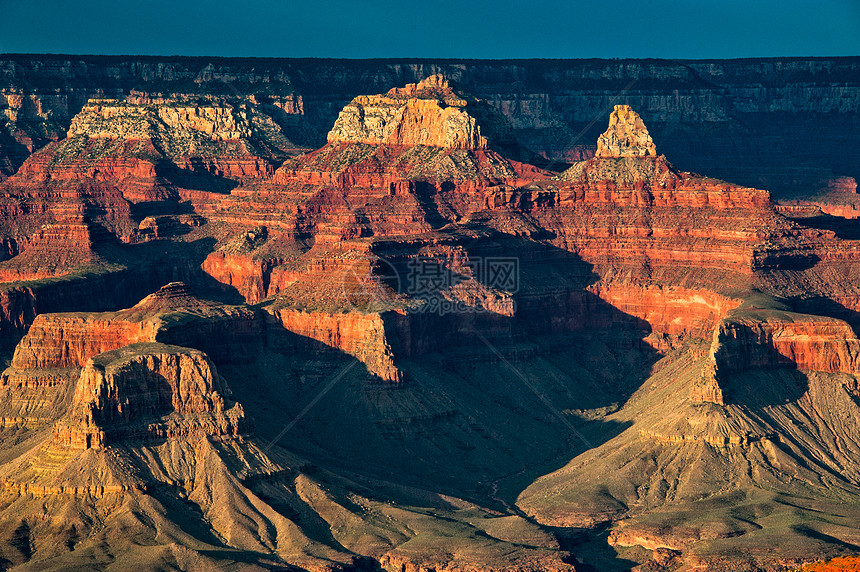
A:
[626,136]
[54,250]
[414,292]
[146,390]
[118,153]
[69,340]
[427,113]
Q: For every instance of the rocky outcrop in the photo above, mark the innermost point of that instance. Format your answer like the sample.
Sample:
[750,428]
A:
[758,442]
[117,153]
[767,340]
[626,136]
[166,226]
[54,250]
[671,312]
[427,113]
[113,119]
[42,193]
[196,136]
[170,315]
[147,390]
[396,164]
[236,264]
[69,340]
[50,357]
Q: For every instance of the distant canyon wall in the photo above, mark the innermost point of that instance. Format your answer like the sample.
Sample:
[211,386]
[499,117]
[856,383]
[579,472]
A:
[749,121]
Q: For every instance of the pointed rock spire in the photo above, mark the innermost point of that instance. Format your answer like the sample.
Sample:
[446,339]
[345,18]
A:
[626,136]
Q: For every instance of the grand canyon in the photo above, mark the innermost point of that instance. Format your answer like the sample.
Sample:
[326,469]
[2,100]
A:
[429,315]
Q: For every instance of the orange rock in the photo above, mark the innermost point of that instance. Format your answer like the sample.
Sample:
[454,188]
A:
[626,136]
[54,250]
[813,343]
[427,113]
[147,390]
[70,339]
[362,335]
[840,564]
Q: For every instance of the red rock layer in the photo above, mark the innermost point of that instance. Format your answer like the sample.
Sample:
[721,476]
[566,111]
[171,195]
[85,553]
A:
[770,338]
[361,335]
[345,191]
[671,311]
[117,153]
[240,271]
[54,250]
[40,193]
[248,167]
[806,342]
[125,165]
[835,197]
[640,212]
[69,340]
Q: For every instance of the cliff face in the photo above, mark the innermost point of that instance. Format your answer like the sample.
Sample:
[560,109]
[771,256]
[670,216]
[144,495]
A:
[631,213]
[806,342]
[362,335]
[130,392]
[59,341]
[171,315]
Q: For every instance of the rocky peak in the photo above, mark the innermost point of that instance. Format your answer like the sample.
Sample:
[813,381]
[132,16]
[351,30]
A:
[434,87]
[427,113]
[172,297]
[626,136]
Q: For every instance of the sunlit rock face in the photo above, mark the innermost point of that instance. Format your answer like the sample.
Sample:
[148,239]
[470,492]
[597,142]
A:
[427,113]
[626,136]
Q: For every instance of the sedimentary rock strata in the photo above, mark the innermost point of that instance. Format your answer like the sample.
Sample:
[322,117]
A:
[146,390]
[353,318]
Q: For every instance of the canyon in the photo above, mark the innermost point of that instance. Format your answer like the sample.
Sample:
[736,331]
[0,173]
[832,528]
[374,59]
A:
[327,315]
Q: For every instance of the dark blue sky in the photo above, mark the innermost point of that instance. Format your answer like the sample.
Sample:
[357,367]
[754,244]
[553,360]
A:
[435,28]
